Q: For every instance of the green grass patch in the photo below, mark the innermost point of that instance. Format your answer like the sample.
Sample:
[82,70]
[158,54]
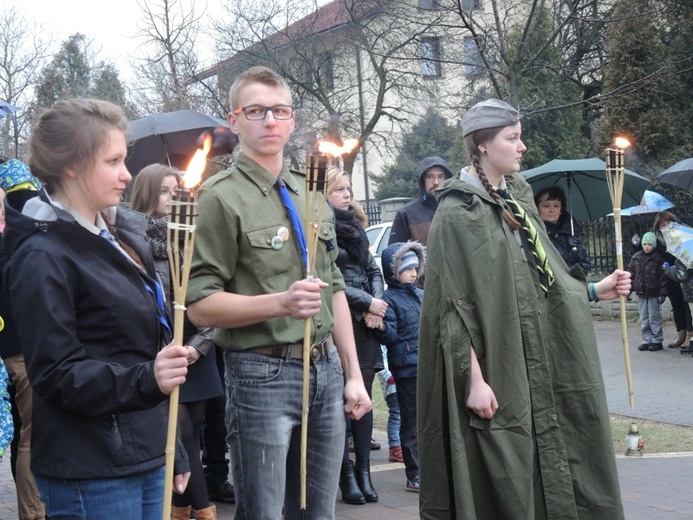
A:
[659,437]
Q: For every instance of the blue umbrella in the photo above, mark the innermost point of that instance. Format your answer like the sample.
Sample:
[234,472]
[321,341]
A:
[679,242]
[6,109]
[652,202]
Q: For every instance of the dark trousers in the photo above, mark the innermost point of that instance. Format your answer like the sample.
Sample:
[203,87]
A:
[681,312]
[406,396]
[214,434]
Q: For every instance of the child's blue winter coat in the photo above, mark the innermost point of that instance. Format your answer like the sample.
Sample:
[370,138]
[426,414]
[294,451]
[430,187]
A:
[401,322]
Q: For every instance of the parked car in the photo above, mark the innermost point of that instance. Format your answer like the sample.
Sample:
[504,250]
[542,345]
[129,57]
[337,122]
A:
[378,237]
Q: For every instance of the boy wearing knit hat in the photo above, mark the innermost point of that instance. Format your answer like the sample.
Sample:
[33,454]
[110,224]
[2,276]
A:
[649,283]
[403,265]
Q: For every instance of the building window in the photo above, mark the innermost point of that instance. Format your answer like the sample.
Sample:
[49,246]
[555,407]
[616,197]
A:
[468,5]
[429,4]
[326,72]
[430,57]
[473,64]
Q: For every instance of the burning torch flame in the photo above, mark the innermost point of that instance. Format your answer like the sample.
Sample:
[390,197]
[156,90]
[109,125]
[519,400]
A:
[335,150]
[193,175]
[621,142]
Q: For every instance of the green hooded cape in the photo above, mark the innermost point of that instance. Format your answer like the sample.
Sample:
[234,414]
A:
[547,452]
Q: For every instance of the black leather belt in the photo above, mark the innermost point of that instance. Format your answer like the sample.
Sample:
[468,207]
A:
[317,350]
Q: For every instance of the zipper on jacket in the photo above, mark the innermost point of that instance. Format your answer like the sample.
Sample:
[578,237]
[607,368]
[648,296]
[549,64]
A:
[116,434]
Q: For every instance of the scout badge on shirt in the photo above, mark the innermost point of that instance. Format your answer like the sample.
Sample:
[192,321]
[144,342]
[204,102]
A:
[278,240]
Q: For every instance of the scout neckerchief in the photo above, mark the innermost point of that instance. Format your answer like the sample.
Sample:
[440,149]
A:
[540,261]
[294,218]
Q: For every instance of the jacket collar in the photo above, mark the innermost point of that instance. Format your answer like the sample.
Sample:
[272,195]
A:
[263,179]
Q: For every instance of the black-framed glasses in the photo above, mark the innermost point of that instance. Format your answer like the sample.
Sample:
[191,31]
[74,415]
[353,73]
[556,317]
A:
[259,112]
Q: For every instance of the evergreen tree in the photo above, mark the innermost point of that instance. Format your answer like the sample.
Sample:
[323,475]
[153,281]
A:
[653,53]
[107,85]
[431,136]
[67,76]
[74,73]
[550,133]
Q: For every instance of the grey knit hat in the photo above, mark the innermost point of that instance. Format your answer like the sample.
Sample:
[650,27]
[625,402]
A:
[491,113]
[409,260]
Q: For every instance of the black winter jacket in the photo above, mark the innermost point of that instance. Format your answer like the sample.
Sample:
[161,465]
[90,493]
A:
[648,274]
[89,332]
[569,244]
[363,282]
[413,220]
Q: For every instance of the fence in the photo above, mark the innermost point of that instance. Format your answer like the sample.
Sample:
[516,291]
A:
[599,238]
[373,213]
[598,235]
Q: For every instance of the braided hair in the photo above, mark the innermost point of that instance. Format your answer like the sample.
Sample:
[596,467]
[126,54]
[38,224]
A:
[471,143]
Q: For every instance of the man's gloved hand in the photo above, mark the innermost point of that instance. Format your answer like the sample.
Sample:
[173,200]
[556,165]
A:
[662,299]
[223,140]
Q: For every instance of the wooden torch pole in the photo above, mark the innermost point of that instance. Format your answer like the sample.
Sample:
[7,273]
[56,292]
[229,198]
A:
[181,228]
[615,175]
[316,174]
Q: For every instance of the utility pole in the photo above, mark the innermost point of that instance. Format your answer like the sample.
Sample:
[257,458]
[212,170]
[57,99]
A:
[359,84]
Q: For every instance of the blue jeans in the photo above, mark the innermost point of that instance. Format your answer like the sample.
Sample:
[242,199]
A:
[393,421]
[263,415]
[390,396]
[137,497]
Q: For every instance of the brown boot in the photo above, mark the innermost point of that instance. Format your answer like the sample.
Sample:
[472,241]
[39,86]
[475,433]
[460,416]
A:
[180,513]
[679,341]
[208,513]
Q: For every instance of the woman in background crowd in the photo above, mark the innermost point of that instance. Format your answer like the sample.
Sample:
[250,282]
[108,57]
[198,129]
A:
[364,292]
[152,191]
[562,230]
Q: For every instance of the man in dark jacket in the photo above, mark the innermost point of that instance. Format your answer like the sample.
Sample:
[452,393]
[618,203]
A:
[413,220]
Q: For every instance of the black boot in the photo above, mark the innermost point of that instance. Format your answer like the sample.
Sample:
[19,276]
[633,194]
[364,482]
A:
[351,493]
[363,477]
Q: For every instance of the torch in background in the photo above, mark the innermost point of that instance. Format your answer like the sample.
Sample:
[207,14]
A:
[180,241]
[317,164]
[615,175]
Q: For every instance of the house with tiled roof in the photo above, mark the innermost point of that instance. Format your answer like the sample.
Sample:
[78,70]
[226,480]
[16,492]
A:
[369,68]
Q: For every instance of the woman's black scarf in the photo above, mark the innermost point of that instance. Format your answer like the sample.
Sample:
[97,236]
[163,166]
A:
[351,236]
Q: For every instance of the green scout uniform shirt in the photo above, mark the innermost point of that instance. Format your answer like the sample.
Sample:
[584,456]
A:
[240,211]
[547,452]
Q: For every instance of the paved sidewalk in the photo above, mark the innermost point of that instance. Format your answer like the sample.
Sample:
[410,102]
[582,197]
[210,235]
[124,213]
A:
[656,487]
[652,487]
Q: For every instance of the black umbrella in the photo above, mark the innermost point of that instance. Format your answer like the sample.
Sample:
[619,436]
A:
[681,174]
[172,138]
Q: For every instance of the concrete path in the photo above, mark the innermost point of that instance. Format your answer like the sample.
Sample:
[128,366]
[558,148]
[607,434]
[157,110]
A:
[653,486]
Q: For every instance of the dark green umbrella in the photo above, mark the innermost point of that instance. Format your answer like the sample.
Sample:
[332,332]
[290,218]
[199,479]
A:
[585,185]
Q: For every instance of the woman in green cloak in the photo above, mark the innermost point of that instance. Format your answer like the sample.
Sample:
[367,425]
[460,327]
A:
[513,420]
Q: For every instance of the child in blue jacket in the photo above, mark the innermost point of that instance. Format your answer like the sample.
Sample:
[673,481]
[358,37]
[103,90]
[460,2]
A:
[403,264]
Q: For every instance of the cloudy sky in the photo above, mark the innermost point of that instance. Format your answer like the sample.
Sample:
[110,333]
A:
[112,25]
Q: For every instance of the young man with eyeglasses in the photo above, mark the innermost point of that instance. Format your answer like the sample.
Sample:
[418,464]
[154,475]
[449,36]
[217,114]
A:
[413,220]
[248,280]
